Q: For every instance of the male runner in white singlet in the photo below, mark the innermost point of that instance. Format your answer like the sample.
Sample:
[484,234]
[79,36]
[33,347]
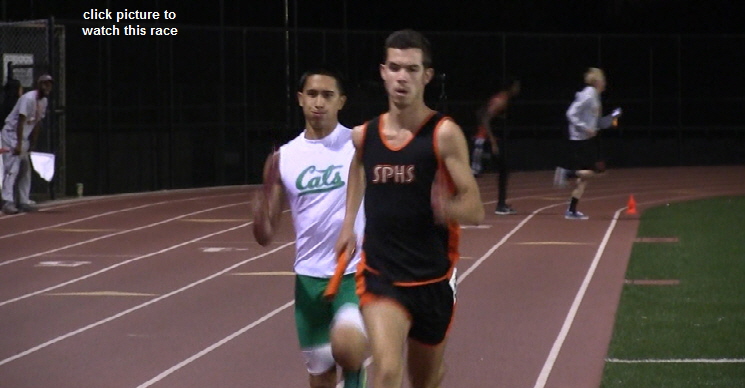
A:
[312,170]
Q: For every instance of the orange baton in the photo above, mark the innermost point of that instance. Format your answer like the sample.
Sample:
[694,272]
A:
[333,287]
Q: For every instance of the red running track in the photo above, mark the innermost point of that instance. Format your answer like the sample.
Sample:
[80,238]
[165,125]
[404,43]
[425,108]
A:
[168,289]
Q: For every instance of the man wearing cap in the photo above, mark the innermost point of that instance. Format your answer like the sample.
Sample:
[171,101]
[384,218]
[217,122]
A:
[19,135]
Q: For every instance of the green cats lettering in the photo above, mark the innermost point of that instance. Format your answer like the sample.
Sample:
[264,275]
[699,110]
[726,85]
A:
[313,180]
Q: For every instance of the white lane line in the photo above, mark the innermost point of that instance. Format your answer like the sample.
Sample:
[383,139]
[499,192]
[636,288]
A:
[119,264]
[472,268]
[569,320]
[152,301]
[27,231]
[677,361]
[262,319]
[214,346]
[230,337]
[108,213]
[115,234]
[502,241]
[465,274]
[76,202]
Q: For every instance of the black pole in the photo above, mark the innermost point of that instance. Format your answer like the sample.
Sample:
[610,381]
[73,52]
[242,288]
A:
[246,160]
[52,108]
[295,123]
[109,114]
[345,30]
[219,147]
[288,106]
[443,99]
[172,116]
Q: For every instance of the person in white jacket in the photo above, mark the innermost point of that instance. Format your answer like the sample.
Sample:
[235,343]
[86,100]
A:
[584,115]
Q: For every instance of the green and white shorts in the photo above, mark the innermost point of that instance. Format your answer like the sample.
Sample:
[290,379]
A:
[313,314]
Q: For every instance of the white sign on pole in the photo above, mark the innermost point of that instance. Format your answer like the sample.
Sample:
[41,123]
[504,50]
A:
[26,74]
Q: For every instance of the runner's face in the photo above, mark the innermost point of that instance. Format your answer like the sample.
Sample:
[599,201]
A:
[46,88]
[321,101]
[600,84]
[404,75]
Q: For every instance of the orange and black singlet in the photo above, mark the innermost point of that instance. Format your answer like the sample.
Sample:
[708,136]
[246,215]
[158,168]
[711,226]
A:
[402,243]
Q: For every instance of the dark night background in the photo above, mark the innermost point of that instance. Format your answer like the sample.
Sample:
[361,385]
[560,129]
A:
[549,16]
[203,108]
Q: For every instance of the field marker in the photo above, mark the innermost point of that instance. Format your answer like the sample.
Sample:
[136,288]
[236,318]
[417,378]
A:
[677,361]
[96,255]
[74,230]
[222,249]
[552,243]
[483,226]
[99,293]
[657,239]
[652,282]
[214,220]
[686,192]
[62,263]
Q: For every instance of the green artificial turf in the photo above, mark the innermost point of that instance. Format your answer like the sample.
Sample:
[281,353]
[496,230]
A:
[702,317]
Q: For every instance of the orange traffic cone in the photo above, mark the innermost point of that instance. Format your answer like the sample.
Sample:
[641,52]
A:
[631,206]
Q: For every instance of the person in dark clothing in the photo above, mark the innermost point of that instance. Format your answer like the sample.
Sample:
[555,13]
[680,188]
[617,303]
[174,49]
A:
[495,107]
[12,91]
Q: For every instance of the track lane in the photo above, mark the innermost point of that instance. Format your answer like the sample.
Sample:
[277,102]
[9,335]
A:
[514,358]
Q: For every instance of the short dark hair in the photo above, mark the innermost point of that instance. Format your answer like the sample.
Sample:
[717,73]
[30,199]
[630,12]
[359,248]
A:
[325,70]
[410,39]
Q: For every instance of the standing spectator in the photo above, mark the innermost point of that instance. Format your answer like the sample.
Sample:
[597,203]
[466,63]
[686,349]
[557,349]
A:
[19,134]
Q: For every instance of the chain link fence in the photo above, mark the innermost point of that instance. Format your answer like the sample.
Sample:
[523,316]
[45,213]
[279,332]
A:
[28,50]
[203,108]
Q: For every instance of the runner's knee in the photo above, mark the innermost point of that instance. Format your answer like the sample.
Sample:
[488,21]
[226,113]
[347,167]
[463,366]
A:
[348,338]
[349,315]
[388,374]
[579,190]
[318,360]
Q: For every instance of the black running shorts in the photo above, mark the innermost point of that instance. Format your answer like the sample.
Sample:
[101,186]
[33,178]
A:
[430,306]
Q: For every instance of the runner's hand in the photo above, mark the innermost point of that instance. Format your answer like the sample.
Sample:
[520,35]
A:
[346,243]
